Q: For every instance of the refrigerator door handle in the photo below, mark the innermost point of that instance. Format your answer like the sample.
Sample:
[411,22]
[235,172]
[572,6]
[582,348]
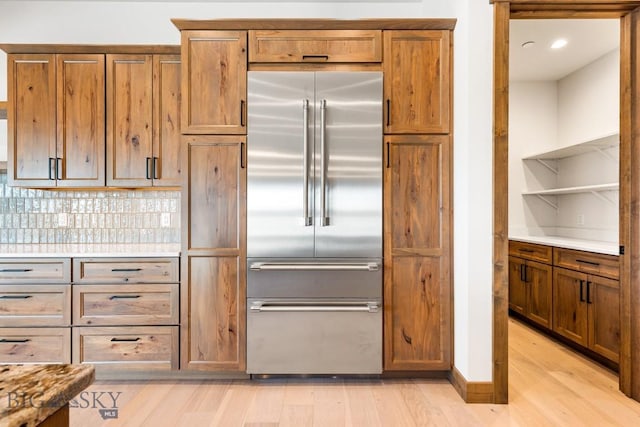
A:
[258,306]
[305,161]
[324,218]
[364,266]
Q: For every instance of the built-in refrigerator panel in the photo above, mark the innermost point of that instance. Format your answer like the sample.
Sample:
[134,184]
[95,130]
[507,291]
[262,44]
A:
[280,113]
[319,131]
[349,121]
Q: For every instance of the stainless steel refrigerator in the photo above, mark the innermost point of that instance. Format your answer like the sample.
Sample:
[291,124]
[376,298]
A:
[314,223]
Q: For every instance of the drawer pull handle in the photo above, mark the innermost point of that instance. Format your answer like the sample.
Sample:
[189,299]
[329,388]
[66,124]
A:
[582,290]
[588,262]
[125,339]
[529,251]
[14,341]
[315,57]
[16,270]
[112,297]
[15,296]
[125,270]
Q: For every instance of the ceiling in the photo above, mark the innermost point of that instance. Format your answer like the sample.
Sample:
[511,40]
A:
[588,39]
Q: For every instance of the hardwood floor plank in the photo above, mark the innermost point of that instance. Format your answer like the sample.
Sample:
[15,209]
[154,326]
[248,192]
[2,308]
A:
[267,406]
[361,407]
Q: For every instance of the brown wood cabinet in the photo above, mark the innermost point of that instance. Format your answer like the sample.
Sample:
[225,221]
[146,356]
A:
[214,82]
[530,290]
[143,127]
[315,46]
[117,349]
[586,310]
[417,236]
[35,310]
[35,305]
[35,345]
[214,254]
[56,123]
[417,81]
[125,313]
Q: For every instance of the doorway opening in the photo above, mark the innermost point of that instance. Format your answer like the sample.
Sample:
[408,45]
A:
[564,145]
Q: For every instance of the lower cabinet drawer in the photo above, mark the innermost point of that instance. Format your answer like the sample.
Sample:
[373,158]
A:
[587,262]
[125,304]
[127,347]
[35,305]
[35,345]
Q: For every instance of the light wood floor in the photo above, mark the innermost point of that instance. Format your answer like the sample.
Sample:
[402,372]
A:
[549,385]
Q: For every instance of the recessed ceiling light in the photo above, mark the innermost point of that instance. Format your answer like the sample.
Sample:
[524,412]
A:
[559,44]
[528,43]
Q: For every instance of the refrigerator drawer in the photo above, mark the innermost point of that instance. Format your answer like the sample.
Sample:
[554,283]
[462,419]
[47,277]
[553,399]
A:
[314,336]
[314,278]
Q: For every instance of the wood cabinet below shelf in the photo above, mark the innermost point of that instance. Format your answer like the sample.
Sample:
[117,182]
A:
[530,290]
[574,294]
[587,311]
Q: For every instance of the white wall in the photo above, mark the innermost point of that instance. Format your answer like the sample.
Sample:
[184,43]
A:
[589,101]
[533,124]
[148,22]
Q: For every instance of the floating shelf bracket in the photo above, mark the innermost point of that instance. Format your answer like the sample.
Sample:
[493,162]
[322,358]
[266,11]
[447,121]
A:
[601,196]
[547,165]
[606,155]
[547,201]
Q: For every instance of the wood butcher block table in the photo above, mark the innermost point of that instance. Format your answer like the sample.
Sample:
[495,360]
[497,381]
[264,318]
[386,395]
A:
[32,395]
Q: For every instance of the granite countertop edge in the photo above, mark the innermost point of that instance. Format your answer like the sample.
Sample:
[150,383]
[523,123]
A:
[48,387]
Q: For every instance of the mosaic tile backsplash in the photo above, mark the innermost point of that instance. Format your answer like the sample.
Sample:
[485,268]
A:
[113,216]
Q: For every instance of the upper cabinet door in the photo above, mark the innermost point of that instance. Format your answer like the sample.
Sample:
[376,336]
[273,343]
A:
[214,82]
[417,68]
[32,120]
[80,116]
[166,121]
[129,120]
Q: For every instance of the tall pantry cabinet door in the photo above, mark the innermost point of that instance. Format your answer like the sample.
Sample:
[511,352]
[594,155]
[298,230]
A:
[570,305]
[417,235]
[214,82]
[32,120]
[129,120]
[81,116]
[167,164]
[417,87]
[214,291]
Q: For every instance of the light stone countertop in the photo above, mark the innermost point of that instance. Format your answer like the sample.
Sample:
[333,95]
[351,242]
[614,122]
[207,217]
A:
[89,250]
[609,248]
[31,393]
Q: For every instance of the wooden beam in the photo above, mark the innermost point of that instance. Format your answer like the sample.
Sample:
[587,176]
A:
[500,202]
